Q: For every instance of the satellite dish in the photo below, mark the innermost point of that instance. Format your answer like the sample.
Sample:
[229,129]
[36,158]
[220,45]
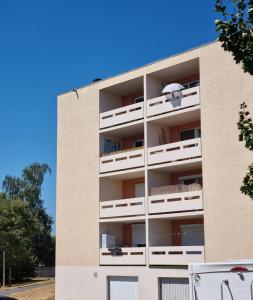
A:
[171,88]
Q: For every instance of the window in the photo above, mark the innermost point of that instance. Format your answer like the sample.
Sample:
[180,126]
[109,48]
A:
[110,146]
[191,84]
[188,134]
[139,190]
[138,143]
[138,99]
[186,180]
[138,235]
[192,234]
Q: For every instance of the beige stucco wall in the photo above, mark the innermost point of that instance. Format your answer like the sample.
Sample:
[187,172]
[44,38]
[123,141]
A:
[228,213]
[77,215]
[90,283]
[77,229]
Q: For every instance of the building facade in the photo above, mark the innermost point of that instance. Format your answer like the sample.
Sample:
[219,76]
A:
[147,183]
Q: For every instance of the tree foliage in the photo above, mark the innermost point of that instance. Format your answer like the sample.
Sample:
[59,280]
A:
[245,125]
[17,230]
[236,30]
[236,36]
[28,189]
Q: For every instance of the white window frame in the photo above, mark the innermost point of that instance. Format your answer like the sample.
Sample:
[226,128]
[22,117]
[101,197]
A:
[195,132]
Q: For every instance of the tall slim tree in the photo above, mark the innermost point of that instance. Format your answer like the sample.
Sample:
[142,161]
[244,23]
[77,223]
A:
[236,36]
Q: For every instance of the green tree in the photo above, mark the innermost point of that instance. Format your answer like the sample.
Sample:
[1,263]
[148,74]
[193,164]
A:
[245,125]
[236,30]
[236,36]
[17,229]
[28,188]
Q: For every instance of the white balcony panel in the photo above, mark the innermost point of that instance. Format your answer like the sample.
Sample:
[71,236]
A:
[176,255]
[162,104]
[121,115]
[121,161]
[174,151]
[122,208]
[175,202]
[130,256]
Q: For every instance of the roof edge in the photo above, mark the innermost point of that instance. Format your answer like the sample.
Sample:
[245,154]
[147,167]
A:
[137,68]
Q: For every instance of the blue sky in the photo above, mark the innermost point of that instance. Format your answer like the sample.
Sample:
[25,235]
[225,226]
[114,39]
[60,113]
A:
[51,46]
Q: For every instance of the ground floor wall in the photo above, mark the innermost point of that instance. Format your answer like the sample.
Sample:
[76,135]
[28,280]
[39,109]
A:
[91,283]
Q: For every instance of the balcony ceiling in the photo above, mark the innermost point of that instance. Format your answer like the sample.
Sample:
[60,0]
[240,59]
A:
[124,220]
[125,130]
[125,174]
[178,117]
[179,71]
[178,166]
[126,88]
[178,216]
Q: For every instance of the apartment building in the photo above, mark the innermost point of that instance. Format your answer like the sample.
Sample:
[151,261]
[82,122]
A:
[148,183]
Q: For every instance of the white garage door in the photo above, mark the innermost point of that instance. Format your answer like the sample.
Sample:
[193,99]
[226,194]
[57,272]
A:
[123,288]
[174,289]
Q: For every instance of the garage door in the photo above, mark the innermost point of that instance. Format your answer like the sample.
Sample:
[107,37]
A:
[123,288]
[174,289]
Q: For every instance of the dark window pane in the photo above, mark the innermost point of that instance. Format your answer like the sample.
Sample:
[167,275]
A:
[186,135]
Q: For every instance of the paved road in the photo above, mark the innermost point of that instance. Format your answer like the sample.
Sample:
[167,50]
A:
[4,294]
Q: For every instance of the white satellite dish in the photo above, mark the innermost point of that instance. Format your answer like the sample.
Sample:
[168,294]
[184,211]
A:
[171,88]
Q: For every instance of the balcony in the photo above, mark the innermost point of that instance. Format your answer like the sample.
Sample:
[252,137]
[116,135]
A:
[121,115]
[175,202]
[172,152]
[176,255]
[128,256]
[162,104]
[122,208]
[122,160]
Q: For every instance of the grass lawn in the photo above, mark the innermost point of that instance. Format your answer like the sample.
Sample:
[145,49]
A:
[39,293]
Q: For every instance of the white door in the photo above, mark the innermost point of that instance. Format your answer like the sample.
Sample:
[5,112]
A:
[192,235]
[123,288]
[174,289]
[139,190]
[138,235]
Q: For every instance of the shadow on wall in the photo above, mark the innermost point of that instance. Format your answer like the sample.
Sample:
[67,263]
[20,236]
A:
[7,298]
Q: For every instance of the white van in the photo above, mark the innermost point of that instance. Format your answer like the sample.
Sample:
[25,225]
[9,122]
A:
[221,281]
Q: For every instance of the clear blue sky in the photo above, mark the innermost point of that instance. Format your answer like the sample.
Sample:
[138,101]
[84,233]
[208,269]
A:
[51,46]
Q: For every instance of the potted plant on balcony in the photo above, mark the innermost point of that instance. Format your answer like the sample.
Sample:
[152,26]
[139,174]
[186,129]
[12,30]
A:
[173,93]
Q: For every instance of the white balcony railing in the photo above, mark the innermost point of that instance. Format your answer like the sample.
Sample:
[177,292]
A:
[122,208]
[174,151]
[176,255]
[176,202]
[130,256]
[162,104]
[121,115]
[121,161]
